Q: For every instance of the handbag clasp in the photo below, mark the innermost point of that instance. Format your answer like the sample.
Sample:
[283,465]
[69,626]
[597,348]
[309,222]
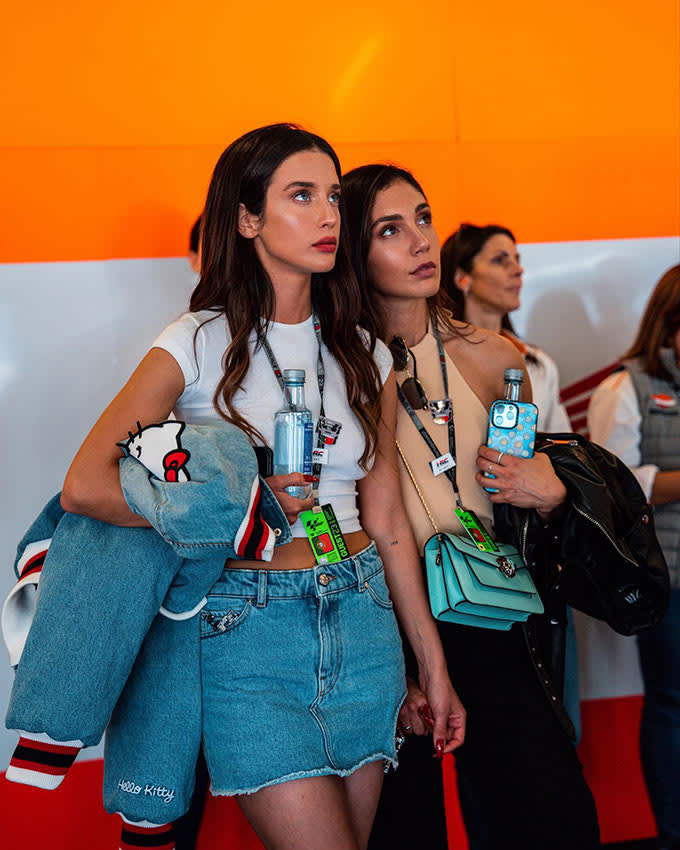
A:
[506,566]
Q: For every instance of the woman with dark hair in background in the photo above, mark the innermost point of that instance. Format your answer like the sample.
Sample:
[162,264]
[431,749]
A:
[482,275]
[520,780]
[635,413]
[303,678]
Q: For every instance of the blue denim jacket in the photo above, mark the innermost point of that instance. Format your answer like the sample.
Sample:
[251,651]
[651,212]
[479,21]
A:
[99,654]
[220,507]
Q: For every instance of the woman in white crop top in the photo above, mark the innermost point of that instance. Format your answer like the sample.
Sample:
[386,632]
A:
[301,663]
[520,781]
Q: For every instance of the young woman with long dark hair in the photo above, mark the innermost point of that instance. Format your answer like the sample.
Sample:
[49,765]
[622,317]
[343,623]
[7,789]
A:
[520,781]
[301,664]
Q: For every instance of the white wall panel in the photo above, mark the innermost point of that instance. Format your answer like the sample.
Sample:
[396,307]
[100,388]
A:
[582,301]
[70,335]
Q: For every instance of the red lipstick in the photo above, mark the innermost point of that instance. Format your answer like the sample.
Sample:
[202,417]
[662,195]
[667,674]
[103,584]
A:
[328,244]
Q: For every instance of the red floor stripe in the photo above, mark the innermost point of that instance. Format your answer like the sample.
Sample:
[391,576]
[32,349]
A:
[611,763]
[72,817]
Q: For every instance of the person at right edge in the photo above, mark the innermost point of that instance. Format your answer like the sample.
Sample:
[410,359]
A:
[520,782]
[635,413]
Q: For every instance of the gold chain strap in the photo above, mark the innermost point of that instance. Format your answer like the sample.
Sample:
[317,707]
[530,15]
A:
[415,484]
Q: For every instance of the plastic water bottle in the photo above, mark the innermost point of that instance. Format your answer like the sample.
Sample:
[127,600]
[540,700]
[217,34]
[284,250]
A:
[294,432]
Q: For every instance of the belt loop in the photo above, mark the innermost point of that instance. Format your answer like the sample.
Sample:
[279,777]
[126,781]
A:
[359,573]
[261,588]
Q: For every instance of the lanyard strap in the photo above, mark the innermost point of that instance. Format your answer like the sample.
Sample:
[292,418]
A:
[321,381]
[320,371]
[450,473]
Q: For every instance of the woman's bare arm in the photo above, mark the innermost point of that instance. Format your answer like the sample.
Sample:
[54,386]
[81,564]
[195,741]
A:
[92,486]
[384,519]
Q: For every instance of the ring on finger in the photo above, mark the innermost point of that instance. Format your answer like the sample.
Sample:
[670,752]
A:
[407,727]
[489,468]
[500,456]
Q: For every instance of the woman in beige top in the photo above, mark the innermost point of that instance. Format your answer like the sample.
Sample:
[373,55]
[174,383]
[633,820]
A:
[520,781]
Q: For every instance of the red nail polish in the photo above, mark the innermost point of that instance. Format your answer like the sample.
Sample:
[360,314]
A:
[439,746]
[427,716]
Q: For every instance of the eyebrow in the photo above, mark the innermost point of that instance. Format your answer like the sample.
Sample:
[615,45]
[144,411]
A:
[503,253]
[307,184]
[398,216]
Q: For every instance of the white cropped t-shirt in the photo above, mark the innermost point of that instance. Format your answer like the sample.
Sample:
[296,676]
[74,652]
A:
[294,347]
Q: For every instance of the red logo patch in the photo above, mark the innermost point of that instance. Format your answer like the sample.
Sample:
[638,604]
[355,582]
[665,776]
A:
[664,401]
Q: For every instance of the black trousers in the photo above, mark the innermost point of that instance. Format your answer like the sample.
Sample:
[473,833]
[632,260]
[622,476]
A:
[520,781]
[187,827]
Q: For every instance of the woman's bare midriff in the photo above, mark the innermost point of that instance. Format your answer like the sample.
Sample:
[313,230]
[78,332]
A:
[298,555]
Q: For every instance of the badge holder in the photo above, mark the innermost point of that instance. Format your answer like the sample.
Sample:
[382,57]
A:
[324,535]
[475,530]
[320,523]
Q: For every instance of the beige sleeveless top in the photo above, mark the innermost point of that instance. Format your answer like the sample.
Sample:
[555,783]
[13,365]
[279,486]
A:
[470,419]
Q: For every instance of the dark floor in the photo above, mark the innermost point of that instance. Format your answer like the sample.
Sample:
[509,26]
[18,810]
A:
[648,844]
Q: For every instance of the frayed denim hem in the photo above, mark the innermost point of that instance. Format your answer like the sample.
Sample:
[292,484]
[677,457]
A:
[308,774]
[391,760]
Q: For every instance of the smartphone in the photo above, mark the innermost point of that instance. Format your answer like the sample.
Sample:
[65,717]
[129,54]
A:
[512,429]
[265,461]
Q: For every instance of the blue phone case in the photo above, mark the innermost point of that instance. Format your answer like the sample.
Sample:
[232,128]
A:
[509,433]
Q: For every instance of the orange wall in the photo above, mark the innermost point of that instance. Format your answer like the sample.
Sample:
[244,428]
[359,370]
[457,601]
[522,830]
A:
[561,120]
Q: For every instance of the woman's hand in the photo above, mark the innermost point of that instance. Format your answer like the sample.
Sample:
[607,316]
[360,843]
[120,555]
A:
[448,714]
[290,505]
[523,482]
[415,717]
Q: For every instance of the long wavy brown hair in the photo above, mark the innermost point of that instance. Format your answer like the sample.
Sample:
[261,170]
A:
[659,324]
[234,283]
[360,187]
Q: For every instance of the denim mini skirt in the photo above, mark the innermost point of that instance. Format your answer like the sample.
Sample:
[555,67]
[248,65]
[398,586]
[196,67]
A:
[302,673]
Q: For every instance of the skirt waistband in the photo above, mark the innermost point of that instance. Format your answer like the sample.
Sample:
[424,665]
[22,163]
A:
[322,580]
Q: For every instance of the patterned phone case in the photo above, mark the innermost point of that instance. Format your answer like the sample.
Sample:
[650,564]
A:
[518,440]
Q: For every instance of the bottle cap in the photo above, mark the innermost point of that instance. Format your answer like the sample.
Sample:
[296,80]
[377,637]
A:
[514,375]
[294,376]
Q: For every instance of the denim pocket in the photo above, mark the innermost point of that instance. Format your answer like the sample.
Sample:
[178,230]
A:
[377,590]
[218,622]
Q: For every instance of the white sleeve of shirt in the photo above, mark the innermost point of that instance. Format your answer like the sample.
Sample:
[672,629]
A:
[556,418]
[614,422]
[545,382]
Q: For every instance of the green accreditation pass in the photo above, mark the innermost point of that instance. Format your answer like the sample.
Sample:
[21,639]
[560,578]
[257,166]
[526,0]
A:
[324,535]
[475,530]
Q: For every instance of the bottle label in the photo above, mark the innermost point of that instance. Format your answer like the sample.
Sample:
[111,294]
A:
[308,447]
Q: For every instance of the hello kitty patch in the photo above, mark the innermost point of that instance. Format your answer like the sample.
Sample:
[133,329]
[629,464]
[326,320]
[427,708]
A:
[158,448]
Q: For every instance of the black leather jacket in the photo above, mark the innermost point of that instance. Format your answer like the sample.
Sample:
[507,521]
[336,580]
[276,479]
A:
[600,554]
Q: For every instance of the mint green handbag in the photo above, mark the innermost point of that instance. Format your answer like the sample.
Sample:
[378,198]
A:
[489,590]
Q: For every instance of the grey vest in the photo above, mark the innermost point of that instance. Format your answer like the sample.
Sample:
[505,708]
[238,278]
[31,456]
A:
[659,402]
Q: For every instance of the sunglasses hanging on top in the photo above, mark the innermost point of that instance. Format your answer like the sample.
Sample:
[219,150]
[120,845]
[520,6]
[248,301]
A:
[412,388]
